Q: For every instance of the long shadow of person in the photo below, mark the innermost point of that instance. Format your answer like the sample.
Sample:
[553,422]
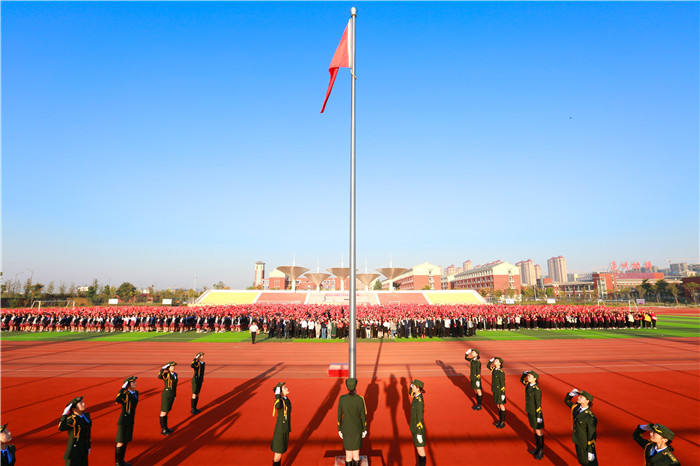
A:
[459,380]
[315,421]
[392,401]
[218,416]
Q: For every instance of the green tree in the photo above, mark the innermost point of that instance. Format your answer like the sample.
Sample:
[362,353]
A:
[220,286]
[674,290]
[62,288]
[377,285]
[692,289]
[50,288]
[91,292]
[126,291]
[661,289]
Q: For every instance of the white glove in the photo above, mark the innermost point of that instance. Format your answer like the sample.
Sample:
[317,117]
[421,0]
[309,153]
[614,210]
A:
[278,391]
[573,392]
[364,434]
[478,384]
[340,433]
[591,457]
[539,420]
[503,398]
[166,366]
[644,426]
[126,384]
[492,359]
[67,411]
[419,437]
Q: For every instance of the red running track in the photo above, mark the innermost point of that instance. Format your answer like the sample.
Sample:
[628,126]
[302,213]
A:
[633,380]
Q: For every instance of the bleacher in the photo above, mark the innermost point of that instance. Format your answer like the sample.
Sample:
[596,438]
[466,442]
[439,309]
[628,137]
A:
[223,297]
[397,297]
[454,297]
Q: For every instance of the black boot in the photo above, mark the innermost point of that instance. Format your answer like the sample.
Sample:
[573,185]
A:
[118,456]
[194,406]
[164,425]
[170,431]
[539,454]
[537,445]
[348,463]
[124,463]
[501,419]
[477,406]
[422,460]
[277,463]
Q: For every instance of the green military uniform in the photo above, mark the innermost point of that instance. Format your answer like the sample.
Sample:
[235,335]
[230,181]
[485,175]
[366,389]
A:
[198,377]
[498,383]
[169,387]
[474,370]
[533,408]
[129,399]
[7,454]
[78,428]
[417,424]
[584,430]
[652,457]
[352,417]
[283,409]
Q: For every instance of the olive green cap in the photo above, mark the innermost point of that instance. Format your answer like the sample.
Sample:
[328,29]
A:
[76,400]
[663,431]
[351,384]
[586,395]
[130,379]
[199,355]
[2,428]
[278,388]
[418,383]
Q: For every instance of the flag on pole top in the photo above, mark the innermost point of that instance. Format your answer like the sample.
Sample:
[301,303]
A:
[341,59]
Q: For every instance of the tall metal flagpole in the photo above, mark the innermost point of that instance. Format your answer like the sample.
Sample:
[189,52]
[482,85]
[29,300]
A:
[353,259]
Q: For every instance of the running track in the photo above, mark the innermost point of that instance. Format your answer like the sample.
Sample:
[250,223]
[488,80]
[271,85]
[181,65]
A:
[633,380]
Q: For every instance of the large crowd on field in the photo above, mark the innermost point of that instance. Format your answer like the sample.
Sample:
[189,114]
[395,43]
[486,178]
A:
[323,321]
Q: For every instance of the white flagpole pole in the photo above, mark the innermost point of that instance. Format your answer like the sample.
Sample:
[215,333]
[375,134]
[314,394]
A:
[353,259]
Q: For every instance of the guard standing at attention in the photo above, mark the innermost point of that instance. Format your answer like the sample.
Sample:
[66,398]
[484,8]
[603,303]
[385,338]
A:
[417,424]
[197,380]
[7,452]
[283,409]
[77,422]
[658,449]
[352,422]
[128,397]
[169,377]
[472,355]
[584,426]
[533,408]
[498,387]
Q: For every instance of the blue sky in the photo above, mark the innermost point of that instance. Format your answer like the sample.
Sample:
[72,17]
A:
[154,142]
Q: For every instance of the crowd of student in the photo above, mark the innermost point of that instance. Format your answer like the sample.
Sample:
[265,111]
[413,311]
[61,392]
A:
[323,321]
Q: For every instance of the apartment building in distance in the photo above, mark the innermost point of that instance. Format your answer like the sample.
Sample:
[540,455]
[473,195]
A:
[528,276]
[497,275]
[556,268]
[425,275]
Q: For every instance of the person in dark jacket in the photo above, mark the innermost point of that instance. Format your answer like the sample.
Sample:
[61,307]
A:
[658,449]
[197,380]
[7,452]
[498,387]
[352,422]
[283,410]
[584,426]
[533,408]
[169,377]
[128,398]
[417,424]
[76,421]
[472,355]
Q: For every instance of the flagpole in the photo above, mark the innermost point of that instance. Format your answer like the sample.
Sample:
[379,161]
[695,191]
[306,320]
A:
[353,279]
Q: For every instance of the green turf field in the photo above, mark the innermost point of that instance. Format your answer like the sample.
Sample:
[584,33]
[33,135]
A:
[669,326]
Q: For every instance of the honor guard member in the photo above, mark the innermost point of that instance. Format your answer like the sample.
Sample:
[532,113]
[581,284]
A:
[658,449]
[584,426]
[352,422]
[197,380]
[283,409]
[7,452]
[169,377]
[128,397]
[472,355]
[498,387]
[78,425]
[533,408]
[417,424]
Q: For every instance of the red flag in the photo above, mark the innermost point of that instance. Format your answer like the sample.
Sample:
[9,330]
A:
[341,59]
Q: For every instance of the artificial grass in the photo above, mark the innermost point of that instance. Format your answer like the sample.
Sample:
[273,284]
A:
[676,326]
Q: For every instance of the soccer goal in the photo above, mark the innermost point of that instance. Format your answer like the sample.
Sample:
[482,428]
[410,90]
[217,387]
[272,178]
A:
[38,304]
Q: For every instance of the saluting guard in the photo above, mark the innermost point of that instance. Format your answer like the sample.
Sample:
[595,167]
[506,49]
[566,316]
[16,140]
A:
[352,422]
[658,449]
[584,426]
[498,387]
[7,452]
[197,380]
[472,355]
[76,421]
[417,424]
[283,409]
[128,397]
[169,377]
[533,408]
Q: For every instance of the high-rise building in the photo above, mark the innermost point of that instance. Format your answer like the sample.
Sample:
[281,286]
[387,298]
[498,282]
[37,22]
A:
[556,268]
[527,272]
[259,274]
[467,265]
[538,271]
